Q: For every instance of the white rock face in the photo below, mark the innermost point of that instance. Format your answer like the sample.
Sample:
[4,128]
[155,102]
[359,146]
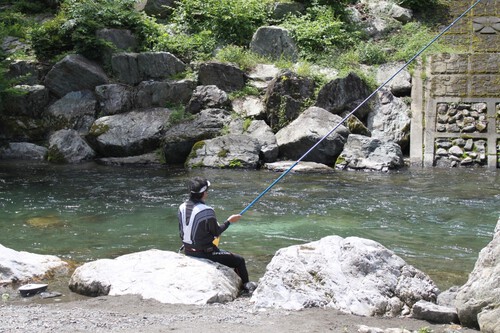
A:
[477,300]
[167,277]
[354,275]
[20,266]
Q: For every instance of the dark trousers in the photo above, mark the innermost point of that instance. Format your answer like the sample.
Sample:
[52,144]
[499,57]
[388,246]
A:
[225,258]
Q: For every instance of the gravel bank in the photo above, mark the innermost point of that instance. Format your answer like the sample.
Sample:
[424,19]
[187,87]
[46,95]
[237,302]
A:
[133,314]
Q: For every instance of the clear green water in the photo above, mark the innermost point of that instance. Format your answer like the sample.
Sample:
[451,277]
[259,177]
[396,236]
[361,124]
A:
[437,220]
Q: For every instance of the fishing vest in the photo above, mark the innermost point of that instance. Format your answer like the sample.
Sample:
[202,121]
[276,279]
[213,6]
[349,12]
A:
[191,224]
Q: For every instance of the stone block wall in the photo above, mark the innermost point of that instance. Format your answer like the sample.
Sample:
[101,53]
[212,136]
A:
[456,97]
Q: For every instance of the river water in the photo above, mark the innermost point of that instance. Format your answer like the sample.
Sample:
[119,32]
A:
[437,220]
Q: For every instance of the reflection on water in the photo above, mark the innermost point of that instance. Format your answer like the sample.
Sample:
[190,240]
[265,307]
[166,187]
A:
[437,220]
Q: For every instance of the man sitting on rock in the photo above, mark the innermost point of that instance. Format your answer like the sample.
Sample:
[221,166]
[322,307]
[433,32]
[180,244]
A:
[199,228]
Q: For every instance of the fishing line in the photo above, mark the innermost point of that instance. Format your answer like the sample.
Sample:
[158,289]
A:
[355,109]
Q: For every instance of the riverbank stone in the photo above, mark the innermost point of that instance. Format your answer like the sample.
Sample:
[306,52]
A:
[305,131]
[480,293]
[354,275]
[21,266]
[165,276]
[23,151]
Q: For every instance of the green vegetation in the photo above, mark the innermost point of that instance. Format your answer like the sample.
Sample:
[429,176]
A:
[178,114]
[223,153]
[240,56]
[54,155]
[235,163]
[425,330]
[246,91]
[230,21]
[246,124]
[319,31]
[74,27]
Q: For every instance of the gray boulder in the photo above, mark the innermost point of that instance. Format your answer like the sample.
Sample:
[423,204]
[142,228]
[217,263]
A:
[249,106]
[125,67]
[21,266]
[31,102]
[434,313]
[227,151]
[344,94]
[285,98]
[128,134]
[274,42]
[353,275]
[261,75]
[159,8]
[480,292]
[117,40]
[23,151]
[74,73]
[180,138]
[259,130]
[159,65]
[76,110]
[304,132]
[489,319]
[401,14]
[400,85]
[361,152]
[378,17]
[146,159]
[161,93]
[26,72]
[207,97]
[114,98]
[121,39]
[132,68]
[225,76]
[164,276]
[282,9]
[390,119]
[447,297]
[302,167]
[67,146]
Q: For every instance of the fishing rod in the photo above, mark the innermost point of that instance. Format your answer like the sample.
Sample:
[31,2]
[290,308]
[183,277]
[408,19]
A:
[356,108]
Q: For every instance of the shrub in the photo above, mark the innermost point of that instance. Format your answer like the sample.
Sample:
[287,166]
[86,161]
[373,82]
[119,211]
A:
[13,24]
[371,54]
[199,46]
[318,31]
[231,21]
[74,28]
[413,37]
[244,58]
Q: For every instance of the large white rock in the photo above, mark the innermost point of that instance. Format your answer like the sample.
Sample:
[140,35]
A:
[354,275]
[481,293]
[20,266]
[167,277]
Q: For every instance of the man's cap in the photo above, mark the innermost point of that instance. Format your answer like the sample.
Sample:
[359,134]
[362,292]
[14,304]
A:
[199,185]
